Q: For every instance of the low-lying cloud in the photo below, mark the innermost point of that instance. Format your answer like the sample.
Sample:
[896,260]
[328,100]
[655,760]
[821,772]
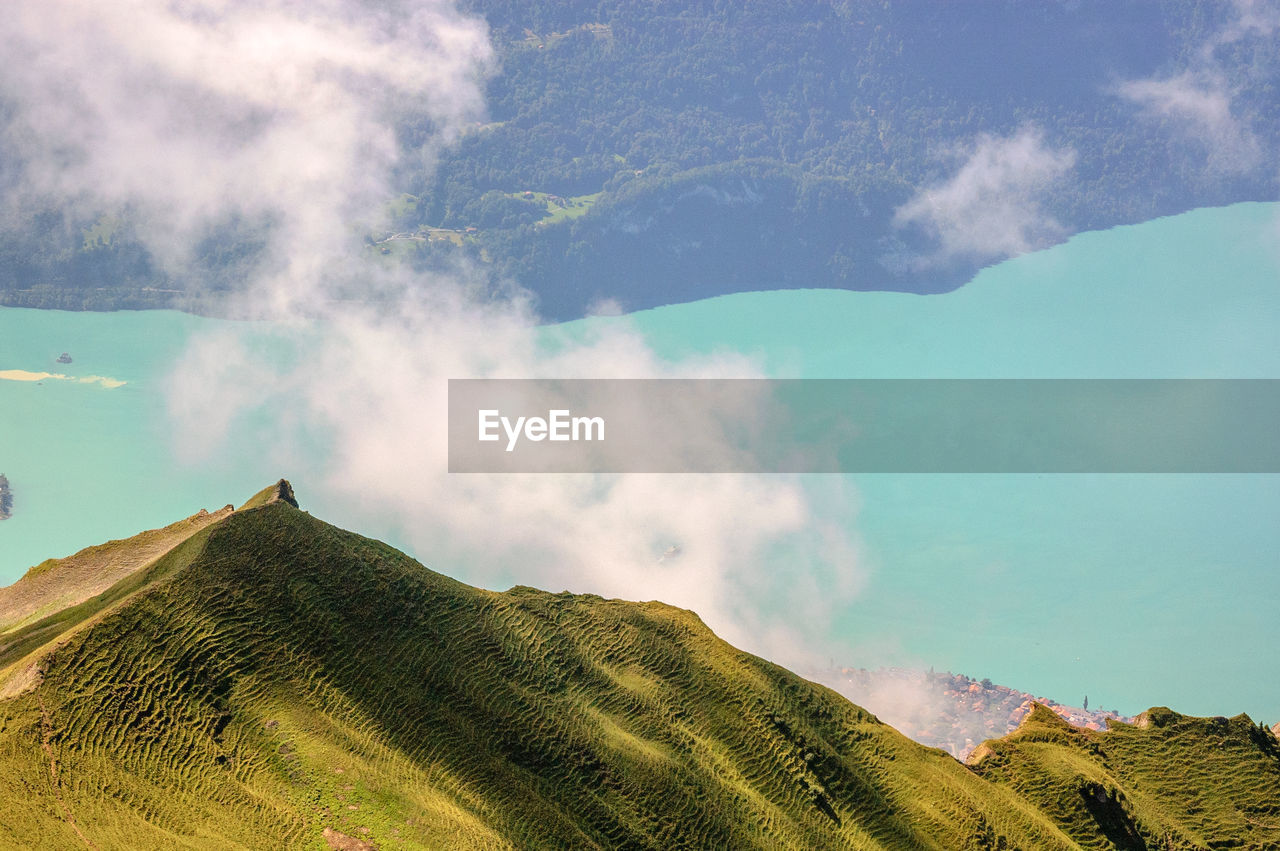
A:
[1198,104]
[1251,18]
[185,117]
[282,116]
[993,206]
[1206,104]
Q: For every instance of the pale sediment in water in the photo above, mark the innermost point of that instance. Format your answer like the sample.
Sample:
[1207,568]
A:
[27,375]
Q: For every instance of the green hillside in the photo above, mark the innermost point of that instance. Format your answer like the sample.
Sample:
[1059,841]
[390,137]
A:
[1169,781]
[272,681]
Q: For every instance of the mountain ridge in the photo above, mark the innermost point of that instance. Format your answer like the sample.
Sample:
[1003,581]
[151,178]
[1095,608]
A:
[273,681]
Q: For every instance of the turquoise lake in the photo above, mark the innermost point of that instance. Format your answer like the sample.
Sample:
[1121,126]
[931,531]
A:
[1136,590]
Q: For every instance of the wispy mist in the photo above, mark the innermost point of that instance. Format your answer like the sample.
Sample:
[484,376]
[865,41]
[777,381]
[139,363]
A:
[1199,105]
[192,115]
[992,205]
[281,118]
[1209,103]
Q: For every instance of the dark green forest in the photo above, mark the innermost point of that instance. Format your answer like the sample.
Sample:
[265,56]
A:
[658,152]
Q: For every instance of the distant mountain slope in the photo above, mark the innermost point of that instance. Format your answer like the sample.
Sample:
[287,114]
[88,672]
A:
[734,146]
[949,711]
[653,153]
[275,682]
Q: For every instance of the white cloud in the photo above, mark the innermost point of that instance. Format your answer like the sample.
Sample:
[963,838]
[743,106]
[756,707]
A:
[992,206]
[375,389]
[188,114]
[1252,17]
[1199,105]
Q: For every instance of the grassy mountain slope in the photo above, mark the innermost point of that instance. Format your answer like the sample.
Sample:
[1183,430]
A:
[275,682]
[58,597]
[1168,781]
[55,584]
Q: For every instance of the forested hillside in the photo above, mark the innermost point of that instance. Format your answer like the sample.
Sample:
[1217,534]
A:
[657,152]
